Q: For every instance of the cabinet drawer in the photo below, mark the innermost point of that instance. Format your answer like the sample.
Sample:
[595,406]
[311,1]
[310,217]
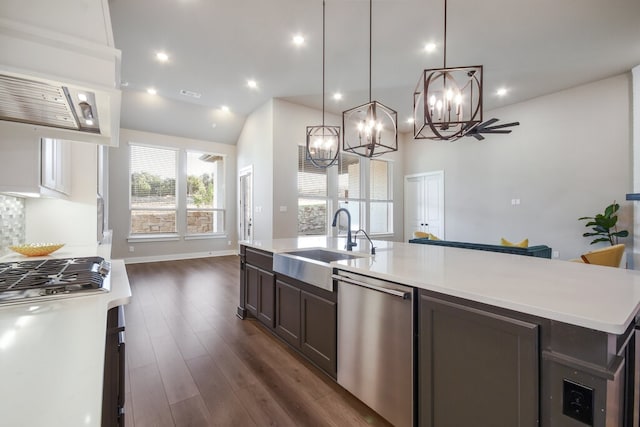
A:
[261,259]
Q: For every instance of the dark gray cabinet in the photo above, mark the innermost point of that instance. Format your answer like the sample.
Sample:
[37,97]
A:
[476,367]
[259,286]
[288,313]
[260,294]
[113,387]
[318,334]
[306,318]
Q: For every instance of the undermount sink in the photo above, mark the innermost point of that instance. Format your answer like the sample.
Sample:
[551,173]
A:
[310,266]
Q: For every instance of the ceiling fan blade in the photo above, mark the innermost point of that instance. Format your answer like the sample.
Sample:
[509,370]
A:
[505,125]
[487,123]
[496,131]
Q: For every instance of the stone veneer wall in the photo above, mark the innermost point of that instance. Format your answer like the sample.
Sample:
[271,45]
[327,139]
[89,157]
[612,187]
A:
[198,222]
[12,222]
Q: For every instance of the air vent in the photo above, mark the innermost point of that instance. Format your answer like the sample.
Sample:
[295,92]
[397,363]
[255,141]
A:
[191,94]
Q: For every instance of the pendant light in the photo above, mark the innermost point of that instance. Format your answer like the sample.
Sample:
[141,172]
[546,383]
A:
[371,129]
[447,102]
[323,142]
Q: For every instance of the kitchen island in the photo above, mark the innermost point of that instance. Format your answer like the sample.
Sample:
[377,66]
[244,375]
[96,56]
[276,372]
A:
[544,342]
[52,352]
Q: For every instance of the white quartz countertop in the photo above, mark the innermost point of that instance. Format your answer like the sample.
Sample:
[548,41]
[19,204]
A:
[601,298]
[52,352]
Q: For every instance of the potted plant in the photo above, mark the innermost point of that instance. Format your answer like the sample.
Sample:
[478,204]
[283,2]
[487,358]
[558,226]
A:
[604,226]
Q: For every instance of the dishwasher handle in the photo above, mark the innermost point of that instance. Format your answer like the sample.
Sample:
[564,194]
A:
[394,292]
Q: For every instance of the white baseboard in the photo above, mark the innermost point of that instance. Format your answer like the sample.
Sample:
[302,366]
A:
[176,257]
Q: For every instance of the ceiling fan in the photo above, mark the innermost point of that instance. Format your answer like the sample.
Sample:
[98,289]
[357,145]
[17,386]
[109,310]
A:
[486,127]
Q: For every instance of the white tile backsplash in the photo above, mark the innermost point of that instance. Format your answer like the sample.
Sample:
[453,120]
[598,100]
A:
[12,222]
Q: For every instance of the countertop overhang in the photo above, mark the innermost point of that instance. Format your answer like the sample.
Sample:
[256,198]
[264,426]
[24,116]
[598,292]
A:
[600,298]
[52,352]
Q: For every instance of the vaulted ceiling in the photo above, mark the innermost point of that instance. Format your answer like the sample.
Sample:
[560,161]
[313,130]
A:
[529,47]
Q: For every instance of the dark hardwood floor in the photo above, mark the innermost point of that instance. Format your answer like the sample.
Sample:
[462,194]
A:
[192,362]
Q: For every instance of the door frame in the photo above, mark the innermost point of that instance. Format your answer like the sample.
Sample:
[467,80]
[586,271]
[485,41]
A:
[243,172]
[406,198]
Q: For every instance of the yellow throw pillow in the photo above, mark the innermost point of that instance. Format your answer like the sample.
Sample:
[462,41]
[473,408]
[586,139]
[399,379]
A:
[523,244]
[432,237]
[420,234]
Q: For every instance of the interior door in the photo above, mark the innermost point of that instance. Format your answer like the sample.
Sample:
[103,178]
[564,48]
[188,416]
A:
[245,225]
[424,204]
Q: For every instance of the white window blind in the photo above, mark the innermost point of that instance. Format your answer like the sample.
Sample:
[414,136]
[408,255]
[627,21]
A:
[153,190]
[380,197]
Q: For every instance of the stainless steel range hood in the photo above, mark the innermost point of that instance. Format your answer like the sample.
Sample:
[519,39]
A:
[59,71]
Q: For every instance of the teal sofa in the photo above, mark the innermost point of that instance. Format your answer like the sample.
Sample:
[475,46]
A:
[540,251]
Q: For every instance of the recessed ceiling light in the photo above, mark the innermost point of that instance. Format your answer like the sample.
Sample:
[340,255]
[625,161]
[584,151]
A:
[501,91]
[162,56]
[225,108]
[82,97]
[410,120]
[213,125]
[89,122]
[337,96]
[152,91]
[252,84]
[430,47]
[298,39]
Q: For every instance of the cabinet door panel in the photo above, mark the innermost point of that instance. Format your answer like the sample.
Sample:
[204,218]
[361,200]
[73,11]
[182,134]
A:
[251,289]
[288,313]
[266,298]
[319,331]
[476,367]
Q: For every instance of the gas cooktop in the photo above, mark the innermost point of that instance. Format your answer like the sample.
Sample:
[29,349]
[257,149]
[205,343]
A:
[52,278]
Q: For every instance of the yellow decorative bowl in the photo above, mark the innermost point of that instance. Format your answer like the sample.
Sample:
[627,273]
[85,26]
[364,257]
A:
[36,249]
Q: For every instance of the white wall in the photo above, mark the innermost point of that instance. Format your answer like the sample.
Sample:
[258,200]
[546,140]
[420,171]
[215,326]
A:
[255,148]
[72,221]
[290,130]
[119,201]
[570,157]
[269,142]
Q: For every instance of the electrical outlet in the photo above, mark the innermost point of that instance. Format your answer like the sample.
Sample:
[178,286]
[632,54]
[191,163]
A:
[131,248]
[555,254]
[229,243]
[577,401]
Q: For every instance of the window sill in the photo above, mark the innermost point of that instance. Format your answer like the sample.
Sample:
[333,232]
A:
[205,236]
[153,238]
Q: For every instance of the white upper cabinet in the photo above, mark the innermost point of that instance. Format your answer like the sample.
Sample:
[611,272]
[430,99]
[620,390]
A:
[33,167]
[55,160]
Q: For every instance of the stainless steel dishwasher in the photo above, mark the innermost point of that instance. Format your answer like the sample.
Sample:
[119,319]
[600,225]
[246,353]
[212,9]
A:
[376,343]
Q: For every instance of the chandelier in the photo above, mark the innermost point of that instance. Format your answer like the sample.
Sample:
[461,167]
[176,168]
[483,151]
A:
[447,102]
[370,129]
[323,142]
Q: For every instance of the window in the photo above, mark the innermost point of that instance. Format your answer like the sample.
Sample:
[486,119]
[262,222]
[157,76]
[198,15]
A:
[380,199]
[205,193]
[312,196]
[350,192]
[154,209]
[176,192]
[362,186]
